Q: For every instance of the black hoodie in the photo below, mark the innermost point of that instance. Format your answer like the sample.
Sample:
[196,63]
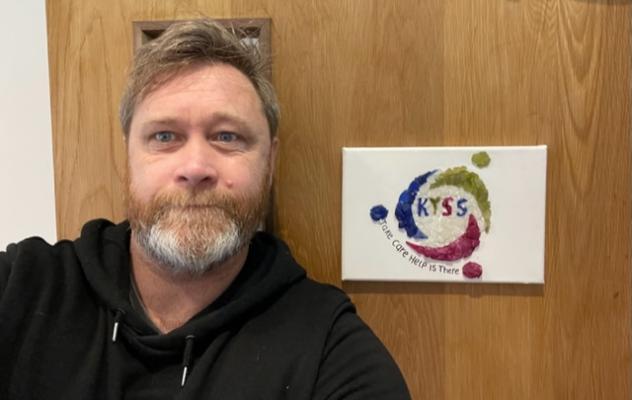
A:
[68,330]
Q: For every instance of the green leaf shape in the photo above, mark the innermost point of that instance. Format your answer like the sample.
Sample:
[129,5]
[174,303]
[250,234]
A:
[481,159]
[471,183]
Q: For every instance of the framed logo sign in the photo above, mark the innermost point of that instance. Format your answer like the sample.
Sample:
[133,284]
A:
[457,214]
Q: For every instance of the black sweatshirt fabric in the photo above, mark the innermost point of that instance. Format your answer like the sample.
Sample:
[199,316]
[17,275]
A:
[68,330]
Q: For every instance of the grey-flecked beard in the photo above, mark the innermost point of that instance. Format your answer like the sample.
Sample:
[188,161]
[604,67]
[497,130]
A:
[169,250]
[192,233]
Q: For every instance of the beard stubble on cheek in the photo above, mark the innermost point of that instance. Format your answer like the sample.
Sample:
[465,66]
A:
[192,231]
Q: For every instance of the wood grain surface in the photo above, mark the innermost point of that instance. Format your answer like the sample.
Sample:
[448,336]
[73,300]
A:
[414,73]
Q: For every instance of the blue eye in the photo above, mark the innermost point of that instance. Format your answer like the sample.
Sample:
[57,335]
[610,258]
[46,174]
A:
[226,137]
[164,137]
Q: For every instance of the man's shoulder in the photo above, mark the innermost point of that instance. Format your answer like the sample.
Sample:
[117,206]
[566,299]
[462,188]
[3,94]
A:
[301,293]
[31,265]
[351,357]
[316,294]
[34,250]
[36,246]
[35,260]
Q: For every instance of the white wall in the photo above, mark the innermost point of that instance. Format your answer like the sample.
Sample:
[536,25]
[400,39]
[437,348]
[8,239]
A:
[27,201]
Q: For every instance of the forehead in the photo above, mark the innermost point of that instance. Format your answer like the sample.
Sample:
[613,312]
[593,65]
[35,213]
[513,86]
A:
[202,91]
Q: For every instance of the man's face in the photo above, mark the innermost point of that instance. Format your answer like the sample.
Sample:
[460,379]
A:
[200,164]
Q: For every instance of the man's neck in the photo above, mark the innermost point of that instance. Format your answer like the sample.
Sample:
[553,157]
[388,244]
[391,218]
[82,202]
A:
[172,300]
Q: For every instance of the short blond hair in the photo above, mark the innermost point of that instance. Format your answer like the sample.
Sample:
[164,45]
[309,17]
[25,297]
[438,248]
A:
[192,43]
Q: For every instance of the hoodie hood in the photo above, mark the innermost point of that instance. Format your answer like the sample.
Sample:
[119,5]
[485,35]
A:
[103,251]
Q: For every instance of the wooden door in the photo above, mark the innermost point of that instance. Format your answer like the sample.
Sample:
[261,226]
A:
[414,73]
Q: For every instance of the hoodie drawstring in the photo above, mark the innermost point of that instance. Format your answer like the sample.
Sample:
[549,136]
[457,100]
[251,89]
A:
[186,358]
[117,318]
[188,345]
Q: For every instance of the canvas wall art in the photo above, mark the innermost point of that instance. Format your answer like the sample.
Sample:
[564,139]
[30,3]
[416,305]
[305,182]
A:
[456,214]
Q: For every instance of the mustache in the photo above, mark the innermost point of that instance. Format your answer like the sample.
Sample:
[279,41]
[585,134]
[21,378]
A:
[185,199]
[175,206]
[192,203]
[184,203]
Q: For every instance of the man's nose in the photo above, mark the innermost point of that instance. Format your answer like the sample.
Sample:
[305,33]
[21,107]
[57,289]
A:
[197,165]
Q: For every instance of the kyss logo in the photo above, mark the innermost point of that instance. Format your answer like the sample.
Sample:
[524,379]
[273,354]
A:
[444,214]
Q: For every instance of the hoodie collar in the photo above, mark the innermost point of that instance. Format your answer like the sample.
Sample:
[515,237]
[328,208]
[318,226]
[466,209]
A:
[103,251]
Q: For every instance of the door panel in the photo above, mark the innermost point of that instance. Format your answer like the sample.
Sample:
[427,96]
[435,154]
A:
[411,73]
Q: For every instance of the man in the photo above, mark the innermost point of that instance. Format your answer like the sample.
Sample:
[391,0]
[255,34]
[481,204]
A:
[187,300]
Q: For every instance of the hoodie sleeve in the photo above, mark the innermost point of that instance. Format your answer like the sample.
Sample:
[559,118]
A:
[6,261]
[356,365]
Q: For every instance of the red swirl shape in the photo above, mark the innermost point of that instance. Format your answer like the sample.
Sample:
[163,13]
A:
[462,247]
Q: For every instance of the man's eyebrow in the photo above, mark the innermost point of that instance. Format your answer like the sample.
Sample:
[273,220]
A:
[220,117]
[162,121]
[215,118]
